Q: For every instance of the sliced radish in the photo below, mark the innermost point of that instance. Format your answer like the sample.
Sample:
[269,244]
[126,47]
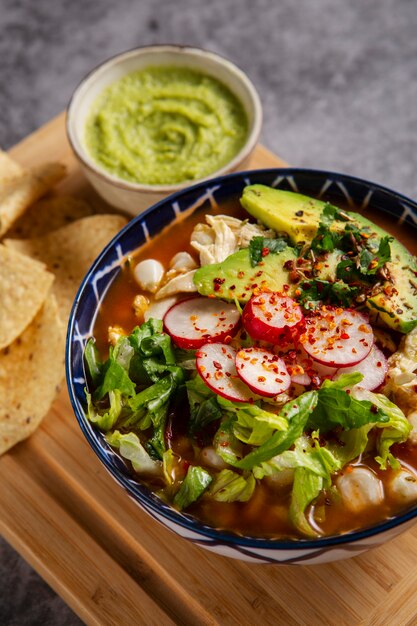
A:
[338,338]
[193,322]
[374,369]
[273,318]
[299,365]
[314,367]
[216,366]
[262,371]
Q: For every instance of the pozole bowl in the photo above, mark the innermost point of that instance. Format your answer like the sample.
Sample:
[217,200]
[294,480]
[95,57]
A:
[202,197]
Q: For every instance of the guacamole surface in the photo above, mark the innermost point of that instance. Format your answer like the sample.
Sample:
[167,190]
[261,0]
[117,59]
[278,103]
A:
[165,125]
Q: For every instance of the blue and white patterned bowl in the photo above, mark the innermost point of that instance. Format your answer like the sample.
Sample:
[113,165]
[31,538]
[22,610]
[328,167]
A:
[328,185]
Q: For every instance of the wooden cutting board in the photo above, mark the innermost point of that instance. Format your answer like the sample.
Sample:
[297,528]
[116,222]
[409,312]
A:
[115,565]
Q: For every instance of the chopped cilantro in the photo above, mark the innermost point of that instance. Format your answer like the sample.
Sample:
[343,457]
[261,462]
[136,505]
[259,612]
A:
[259,247]
[326,240]
[315,292]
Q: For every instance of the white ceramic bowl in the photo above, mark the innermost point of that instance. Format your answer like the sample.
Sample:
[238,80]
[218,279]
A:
[135,197]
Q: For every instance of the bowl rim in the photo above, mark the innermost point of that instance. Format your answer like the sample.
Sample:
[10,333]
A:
[191,523]
[249,145]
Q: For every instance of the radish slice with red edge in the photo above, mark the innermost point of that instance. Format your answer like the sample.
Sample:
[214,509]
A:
[193,322]
[374,369]
[314,368]
[298,364]
[216,366]
[337,337]
[262,371]
[273,318]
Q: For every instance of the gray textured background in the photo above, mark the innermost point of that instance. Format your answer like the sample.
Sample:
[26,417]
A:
[337,78]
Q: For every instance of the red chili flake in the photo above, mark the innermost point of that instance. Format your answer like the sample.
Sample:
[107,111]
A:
[217,365]
[344,336]
[261,379]
[227,339]
[216,287]
[265,252]
[232,287]
[240,274]
[218,281]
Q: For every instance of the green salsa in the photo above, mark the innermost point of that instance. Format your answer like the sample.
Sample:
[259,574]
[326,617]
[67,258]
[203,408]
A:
[165,125]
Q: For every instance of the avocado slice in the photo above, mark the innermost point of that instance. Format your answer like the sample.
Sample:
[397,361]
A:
[296,215]
[396,304]
[235,278]
[283,211]
[299,217]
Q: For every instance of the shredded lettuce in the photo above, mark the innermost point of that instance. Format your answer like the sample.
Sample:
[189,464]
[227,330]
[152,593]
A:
[204,408]
[306,487]
[228,486]
[168,466]
[226,444]
[135,386]
[350,444]
[336,407]
[305,453]
[92,361]
[253,425]
[115,377]
[193,486]
[130,448]
[395,429]
[296,412]
[108,418]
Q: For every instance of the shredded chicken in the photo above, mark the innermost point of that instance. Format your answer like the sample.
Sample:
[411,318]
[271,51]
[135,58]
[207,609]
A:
[224,235]
[178,284]
[157,309]
[401,382]
[215,241]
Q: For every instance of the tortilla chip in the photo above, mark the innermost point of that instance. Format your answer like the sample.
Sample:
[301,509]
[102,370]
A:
[8,167]
[24,286]
[31,370]
[69,252]
[19,192]
[49,214]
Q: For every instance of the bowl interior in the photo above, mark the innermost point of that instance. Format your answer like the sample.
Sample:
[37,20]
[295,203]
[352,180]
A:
[138,59]
[325,185]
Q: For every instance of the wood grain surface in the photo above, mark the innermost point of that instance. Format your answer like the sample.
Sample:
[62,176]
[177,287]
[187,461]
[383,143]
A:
[113,564]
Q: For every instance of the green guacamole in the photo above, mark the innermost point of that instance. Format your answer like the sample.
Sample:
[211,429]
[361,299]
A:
[165,125]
